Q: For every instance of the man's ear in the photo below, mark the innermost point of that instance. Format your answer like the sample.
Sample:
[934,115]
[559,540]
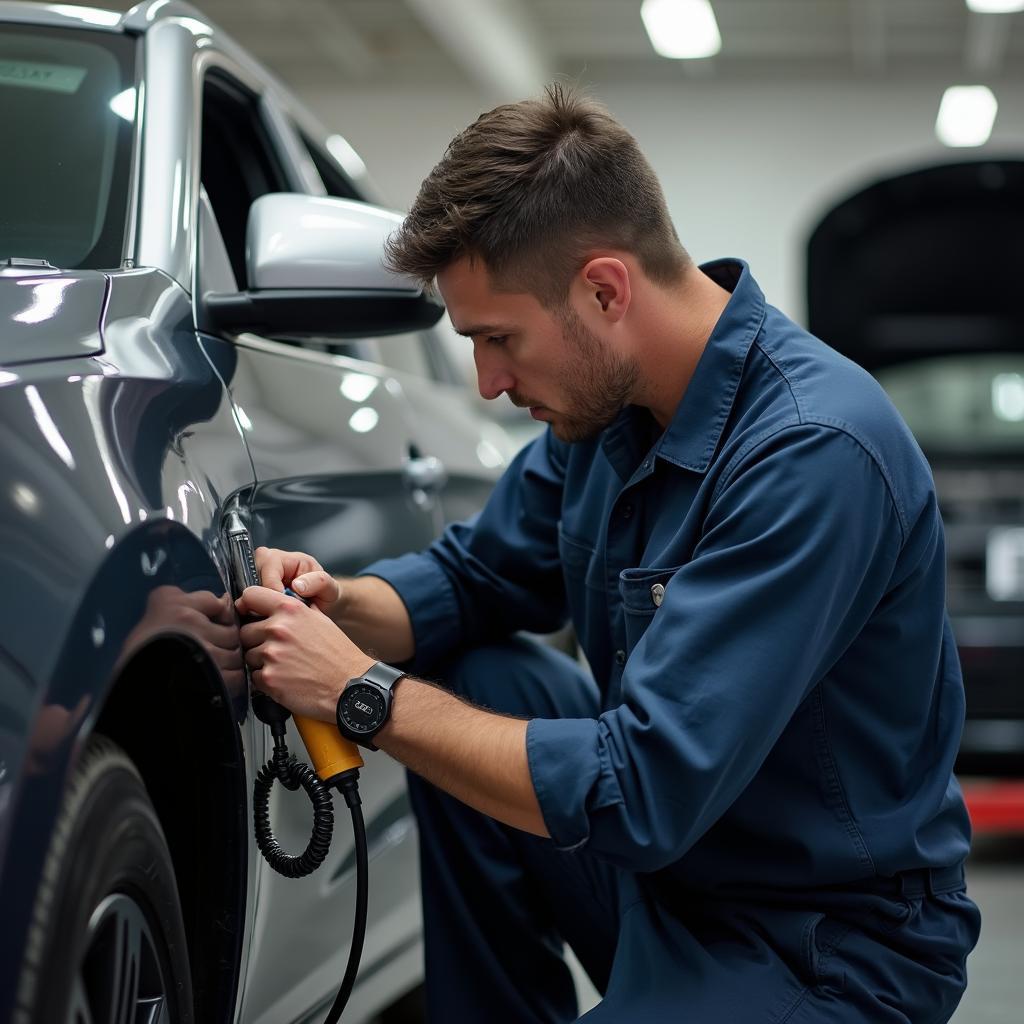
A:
[604,283]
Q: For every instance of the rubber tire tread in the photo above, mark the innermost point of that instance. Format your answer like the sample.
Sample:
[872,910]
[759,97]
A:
[107,838]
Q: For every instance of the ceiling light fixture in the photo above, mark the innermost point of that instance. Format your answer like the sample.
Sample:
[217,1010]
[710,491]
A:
[995,6]
[966,115]
[681,29]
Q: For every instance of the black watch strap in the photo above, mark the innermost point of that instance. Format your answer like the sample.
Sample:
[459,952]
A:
[384,676]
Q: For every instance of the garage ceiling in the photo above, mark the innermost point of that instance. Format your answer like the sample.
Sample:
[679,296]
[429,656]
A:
[509,47]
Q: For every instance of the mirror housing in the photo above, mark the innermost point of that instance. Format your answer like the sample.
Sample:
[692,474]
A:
[315,269]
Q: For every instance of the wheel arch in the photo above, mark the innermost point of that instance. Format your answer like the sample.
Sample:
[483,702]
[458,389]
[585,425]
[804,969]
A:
[193,768]
[151,687]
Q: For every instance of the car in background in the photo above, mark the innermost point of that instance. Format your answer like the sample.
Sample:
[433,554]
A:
[916,278]
[194,326]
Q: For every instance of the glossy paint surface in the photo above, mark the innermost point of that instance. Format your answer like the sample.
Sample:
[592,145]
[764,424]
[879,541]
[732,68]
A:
[299,241]
[50,315]
[116,466]
[125,435]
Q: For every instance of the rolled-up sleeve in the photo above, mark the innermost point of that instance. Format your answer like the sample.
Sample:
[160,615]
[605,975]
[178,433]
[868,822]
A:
[496,573]
[799,543]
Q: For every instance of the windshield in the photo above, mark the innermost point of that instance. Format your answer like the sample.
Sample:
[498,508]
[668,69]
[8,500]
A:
[67,110]
[963,403]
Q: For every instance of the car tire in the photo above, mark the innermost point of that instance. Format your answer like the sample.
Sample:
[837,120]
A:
[107,940]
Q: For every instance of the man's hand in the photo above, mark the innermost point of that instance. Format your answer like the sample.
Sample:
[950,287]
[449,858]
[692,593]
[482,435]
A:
[297,655]
[303,573]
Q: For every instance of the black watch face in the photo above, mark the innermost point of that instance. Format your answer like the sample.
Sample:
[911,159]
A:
[362,708]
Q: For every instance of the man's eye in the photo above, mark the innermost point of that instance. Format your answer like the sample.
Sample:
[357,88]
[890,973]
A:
[497,339]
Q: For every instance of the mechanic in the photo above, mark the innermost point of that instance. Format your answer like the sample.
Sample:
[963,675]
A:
[745,811]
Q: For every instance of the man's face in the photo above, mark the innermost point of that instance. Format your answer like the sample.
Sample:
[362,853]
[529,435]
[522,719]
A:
[549,362]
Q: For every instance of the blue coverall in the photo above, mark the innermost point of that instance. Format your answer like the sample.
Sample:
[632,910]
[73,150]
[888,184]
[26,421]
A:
[751,803]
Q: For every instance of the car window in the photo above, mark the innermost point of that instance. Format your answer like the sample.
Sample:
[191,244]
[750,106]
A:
[239,163]
[67,114]
[962,403]
[335,180]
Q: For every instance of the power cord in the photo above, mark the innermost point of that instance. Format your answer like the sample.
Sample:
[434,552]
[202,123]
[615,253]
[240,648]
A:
[349,789]
[294,775]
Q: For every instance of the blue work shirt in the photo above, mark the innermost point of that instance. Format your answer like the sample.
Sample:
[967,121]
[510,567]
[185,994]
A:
[759,590]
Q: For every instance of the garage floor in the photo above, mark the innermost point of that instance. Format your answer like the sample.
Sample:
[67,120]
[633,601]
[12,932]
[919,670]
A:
[995,881]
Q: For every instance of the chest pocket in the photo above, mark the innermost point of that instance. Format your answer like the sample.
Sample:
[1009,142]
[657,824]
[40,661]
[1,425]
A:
[642,591]
[580,562]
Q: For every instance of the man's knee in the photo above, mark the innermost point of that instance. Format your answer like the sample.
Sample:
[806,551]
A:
[519,676]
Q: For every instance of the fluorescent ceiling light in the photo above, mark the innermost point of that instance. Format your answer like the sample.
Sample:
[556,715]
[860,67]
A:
[995,6]
[966,115]
[681,29]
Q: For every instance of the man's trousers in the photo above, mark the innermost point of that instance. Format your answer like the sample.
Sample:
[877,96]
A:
[499,903]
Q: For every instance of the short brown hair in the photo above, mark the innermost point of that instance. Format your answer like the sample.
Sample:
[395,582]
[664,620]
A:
[530,188]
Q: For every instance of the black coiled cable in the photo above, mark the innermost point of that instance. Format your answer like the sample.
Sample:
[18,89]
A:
[292,775]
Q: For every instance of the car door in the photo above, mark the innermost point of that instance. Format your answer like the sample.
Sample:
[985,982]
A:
[331,447]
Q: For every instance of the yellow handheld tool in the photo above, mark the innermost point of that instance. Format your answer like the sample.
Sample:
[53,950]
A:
[330,752]
[336,759]
[337,762]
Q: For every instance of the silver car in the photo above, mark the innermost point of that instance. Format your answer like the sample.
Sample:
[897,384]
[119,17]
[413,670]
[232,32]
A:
[195,328]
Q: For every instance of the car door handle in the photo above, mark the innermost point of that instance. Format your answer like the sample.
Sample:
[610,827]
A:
[424,473]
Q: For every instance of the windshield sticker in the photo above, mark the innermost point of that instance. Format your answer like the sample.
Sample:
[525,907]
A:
[51,77]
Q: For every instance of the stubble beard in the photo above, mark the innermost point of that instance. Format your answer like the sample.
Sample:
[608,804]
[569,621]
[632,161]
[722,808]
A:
[596,382]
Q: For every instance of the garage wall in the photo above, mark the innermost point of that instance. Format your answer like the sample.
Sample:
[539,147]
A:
[747,166]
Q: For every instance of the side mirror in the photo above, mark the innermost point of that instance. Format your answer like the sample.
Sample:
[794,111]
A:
[315,269]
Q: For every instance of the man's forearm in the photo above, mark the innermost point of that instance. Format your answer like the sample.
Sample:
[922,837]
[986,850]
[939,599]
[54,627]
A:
[477,756]
[375,617]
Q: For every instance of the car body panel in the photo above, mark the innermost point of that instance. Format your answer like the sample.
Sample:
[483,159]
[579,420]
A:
[116,467]
[92,19]
[53,315]
[128,436]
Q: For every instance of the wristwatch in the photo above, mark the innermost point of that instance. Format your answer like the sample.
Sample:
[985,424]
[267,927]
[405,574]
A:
[365,704]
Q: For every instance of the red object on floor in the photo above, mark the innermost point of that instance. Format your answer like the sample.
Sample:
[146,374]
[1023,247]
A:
[995,806]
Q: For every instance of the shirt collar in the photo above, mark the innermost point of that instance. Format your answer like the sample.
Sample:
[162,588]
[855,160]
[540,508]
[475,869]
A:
[696,427]
[628,439]
[693,433]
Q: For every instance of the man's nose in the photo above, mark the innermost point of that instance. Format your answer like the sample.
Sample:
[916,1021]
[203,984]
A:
[493,378]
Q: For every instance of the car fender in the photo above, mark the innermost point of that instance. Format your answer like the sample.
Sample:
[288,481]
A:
[139,598]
